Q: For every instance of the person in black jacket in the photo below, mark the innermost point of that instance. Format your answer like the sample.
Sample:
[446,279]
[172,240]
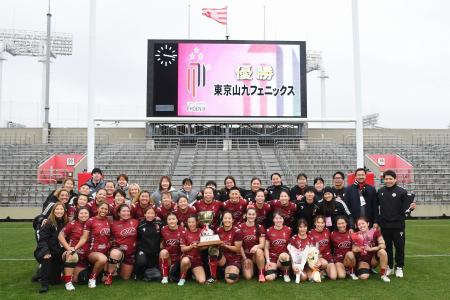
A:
[68,184]
[229,183]
[361,198]
[273,191]
[307,208]
[49,251]
[148,243]
[298,191]
[331,208]
[393,203]
[319,184]
[255,186]
[339,185]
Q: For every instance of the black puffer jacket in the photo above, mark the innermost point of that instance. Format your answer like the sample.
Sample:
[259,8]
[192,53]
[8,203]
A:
[149,237]
[48,240]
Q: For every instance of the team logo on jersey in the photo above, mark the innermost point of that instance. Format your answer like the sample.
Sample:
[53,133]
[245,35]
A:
[249,238]
[104,231]
[394,195]
[130,231]
[323,243]
[279,242]
[344,245]
[172,242]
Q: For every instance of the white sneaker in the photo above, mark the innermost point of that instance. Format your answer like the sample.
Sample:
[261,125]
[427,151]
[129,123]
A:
[181,282]
[385,278]
[399,272]
[165,280]
[92,283]
[389,271]
[286,278]
[353,276]
[69,286]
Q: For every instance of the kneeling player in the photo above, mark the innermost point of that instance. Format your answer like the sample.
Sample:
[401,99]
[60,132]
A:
[191,257]
[370,250]
[124,235]
[229,255]
[275,249]
[169,257]
[297,246]
[252,251]
[343,257]
[75,256]
[320,236]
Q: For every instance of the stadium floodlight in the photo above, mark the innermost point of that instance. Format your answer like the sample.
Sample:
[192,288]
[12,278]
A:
[34,43]
[370,121]
[313,61]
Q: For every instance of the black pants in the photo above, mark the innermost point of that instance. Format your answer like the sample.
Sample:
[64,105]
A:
[395,237]
[144,261]
[51,270]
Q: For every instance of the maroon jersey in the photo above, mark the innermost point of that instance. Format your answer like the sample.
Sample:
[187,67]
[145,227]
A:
[162,212]
[286,211]
[262,214]
[236,209]
[322,239]
[100,232]
[183,216]
[342,243]
[93,208]
[229,238]
[73,232]
[171,242]
[110,199]
[188,238]
[214,206]
[370,239]
[299,243]
[124,233]
[71,211]
[278,240]
[250,237]
[138,212]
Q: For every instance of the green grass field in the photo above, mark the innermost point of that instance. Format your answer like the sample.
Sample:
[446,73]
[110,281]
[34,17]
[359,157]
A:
[427,275]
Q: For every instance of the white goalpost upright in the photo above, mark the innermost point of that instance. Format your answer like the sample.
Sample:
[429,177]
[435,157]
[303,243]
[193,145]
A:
[214,120]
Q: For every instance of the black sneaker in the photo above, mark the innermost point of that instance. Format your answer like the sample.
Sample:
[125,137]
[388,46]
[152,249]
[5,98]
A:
[43,289]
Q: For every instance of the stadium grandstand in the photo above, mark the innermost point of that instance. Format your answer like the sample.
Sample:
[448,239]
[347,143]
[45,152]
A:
[198,152]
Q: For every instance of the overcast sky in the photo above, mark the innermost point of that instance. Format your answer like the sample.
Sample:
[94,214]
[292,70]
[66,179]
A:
[405,54]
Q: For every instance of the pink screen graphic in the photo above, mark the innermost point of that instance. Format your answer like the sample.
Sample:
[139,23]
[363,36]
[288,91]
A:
[238,80]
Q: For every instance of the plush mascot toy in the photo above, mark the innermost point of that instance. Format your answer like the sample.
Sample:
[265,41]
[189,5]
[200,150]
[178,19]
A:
[313,258]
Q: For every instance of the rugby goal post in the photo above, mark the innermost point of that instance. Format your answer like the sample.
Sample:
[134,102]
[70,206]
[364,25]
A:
[219,120]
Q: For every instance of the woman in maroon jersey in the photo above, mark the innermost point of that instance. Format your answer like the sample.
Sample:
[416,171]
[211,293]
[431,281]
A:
[170,255]
[79,202]
[235,205]
[124,236]
[275,249]
[191,257]
[252,250]
[119,199]
[69,238]
[343,257]
[369,247]
[100,197]
[144,202]
[230,250]
[167,206]
[299,242]
[110,188]
[97,231]
[285,207]
[263,209]
[320,236]
[183,210]
[208,203]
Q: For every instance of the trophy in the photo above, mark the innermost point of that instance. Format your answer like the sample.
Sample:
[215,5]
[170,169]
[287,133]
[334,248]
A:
[207,236]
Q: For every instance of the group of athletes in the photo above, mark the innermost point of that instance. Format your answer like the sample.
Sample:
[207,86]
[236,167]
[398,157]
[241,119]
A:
[115,229]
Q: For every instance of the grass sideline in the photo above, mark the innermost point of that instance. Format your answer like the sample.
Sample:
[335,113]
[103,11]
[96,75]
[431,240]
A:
[427,275]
